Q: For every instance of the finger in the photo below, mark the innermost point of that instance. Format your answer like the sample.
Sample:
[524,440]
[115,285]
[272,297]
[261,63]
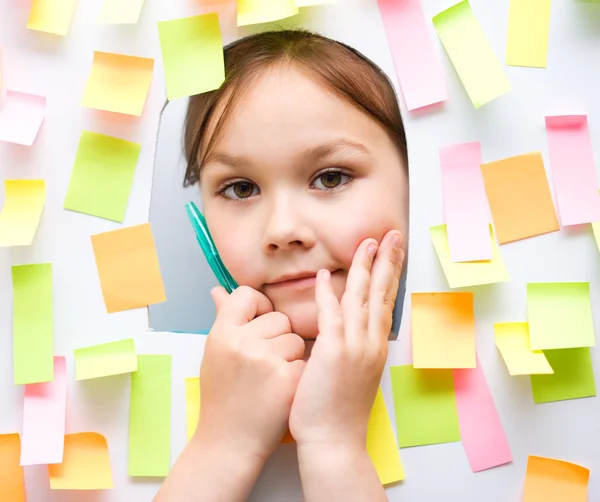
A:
[289,346]
[219,295]
[329,318]
[269,325]
[243,305]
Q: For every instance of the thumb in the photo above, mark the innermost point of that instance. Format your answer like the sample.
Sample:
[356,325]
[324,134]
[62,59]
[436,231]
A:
[219,295]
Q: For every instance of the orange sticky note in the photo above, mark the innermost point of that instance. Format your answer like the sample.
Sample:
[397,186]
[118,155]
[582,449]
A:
[85,466]
[118,83]
[128,268]
[443,330]
[12,481]
[551,480]
[519,197]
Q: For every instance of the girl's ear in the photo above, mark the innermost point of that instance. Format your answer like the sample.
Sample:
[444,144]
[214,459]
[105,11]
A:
[219,295]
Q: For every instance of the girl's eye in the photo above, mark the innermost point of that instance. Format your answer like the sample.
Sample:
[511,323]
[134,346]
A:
[239,190]
[332,179]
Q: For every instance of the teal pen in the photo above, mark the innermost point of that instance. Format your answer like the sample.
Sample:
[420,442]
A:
[208,247]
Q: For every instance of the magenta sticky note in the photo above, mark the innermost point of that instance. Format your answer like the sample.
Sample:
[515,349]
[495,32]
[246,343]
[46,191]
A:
[466,207]
[481,431]
[418,68]
[21,117]
[573,171]
[44,418]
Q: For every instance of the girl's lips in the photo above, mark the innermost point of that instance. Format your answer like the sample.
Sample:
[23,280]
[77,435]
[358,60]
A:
[303,283]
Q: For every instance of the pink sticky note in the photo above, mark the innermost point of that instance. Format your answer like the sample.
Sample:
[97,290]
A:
[573,171]
[480,427]
[417,65]
[21,117]
[44,418]
[465,203]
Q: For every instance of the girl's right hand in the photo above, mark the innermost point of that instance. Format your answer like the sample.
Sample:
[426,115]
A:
[249,374]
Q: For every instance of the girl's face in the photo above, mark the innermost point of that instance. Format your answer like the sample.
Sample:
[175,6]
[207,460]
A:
[298,177]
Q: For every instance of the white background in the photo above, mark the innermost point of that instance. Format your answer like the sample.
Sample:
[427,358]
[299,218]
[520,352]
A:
[57,67]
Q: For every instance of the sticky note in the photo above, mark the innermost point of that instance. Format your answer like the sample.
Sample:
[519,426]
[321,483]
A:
[560,315]
[460,275]
[192,51]
[51,16]
[528,27]
[309,3]
[118,83]
[425,406]
[44,418]
[102,176]
[128,268]
[381,443]
[24,202]
[32,323]
[552,480]
[150,417]
[512,340]
[443,330]
[417,65]
[573,376]
[264,11]
[481,431]
[192,405]
[120,11]
[573,170]
[21,117]
[471,54]
[113,358]
[519,197]
[12,480]
[465,203]
[85,466]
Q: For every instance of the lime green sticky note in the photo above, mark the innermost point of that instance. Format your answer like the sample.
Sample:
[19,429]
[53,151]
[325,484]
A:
[471,53]
[150,417]
[102,176]
[560,315]
[192,51]
[473,273]
[264,11]
[425,406]
[33,340]
[573,376]
[528,27]
[113,358]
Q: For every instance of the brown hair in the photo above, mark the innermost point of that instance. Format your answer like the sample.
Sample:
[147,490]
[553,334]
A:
[342,68]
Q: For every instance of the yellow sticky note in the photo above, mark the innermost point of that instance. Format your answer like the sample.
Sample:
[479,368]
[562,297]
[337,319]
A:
[308,3]
[120,11]
[192,405]
[471,53]
[12,480]
[512,340]
[443,330]
[23,205]
[51,16]
[528,27]
[264,11]
[552,480]
[381,443]
[113,358]
[118,83]
[85,465]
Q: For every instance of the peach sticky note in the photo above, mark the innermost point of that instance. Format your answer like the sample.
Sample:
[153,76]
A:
[264,11]
[443,330]
[512,340]
[12,480]
[417,65]
[192,405]
[21,117]
[528,27]
[519,197]
[481,431]
[51,16]
[44,418]
[573,170]
[23,206]
[118,83]
[128,268]
[552,480]
[465,203]
[120,11]
[85,466]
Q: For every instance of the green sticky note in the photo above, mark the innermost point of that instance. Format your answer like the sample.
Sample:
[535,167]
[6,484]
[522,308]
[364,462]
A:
[150,417]
[474,273]
[102,176]
[192,51]
[573,376]
[471,53]
[425,406]
[112,358]
[33,340]
[560,315]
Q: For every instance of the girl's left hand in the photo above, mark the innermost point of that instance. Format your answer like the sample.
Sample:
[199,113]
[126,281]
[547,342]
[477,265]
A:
[337,388]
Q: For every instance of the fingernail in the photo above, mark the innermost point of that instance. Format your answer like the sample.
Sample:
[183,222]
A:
[371,249]
[397,241]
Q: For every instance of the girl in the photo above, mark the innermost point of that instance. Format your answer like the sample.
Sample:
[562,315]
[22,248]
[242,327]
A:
[301,161]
